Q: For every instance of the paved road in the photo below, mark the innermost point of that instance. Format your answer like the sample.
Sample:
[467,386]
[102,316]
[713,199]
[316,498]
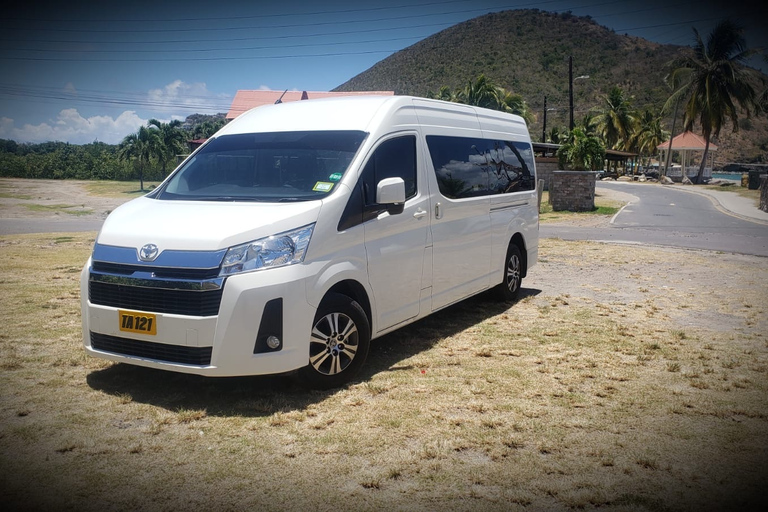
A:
[673,217]
[659,216]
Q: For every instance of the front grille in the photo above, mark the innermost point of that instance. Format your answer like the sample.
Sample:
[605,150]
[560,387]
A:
[157,272]
[156,300]
[198,356]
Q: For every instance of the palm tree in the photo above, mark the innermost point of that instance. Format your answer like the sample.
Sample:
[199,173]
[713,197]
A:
[588,123]
[139,147]
[208,128]
[444,94]
[480,93]
[171,141]
[581,151]
[514,103]
[558,134]
[648,134]
[714,80]
[616,119]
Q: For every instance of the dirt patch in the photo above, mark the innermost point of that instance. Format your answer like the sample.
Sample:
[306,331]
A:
[52,199]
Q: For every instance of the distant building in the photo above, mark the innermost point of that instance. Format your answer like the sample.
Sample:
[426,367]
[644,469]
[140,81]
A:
[246,100]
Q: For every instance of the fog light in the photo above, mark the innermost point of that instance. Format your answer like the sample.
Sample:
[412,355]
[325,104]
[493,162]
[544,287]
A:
[273,342]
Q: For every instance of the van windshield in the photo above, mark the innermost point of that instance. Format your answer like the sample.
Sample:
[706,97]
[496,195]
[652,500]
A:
[271,167]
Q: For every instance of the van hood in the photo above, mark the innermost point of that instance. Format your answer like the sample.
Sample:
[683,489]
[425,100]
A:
[201,225]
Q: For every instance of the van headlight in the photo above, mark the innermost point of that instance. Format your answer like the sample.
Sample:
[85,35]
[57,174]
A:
[273,251]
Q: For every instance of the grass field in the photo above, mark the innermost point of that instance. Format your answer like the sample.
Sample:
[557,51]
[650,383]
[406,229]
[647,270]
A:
[626,378]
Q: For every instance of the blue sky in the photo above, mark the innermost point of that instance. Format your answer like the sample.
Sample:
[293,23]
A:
[85,71]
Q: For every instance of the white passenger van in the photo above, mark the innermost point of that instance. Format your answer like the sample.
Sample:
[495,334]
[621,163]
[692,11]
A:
[301,231]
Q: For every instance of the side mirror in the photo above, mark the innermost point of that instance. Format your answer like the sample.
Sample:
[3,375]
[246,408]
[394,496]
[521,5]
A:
[390,191]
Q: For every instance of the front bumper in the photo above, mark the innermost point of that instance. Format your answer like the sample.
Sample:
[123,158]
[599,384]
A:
[207,341]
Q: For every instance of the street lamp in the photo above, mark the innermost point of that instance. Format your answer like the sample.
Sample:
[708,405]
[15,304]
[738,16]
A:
[544,127]
[570,86]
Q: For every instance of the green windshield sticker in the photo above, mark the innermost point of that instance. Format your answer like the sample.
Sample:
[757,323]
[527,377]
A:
[335,176]
[322,186]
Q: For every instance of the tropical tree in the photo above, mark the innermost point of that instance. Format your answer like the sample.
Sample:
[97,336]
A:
[207,129]
[582,151]
[648,134]
[616,119]
[588,123]
[139,148]
[482,92]
[170,141]
[714,80]
[444,93]
[514,103]
[558,134]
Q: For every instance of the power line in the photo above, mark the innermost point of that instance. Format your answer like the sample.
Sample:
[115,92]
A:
[225,18]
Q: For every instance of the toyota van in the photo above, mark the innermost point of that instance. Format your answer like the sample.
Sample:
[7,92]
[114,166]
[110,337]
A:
[301,231]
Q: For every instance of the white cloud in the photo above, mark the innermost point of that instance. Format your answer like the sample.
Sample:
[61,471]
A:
[176,100]
[70,126]
[182,99]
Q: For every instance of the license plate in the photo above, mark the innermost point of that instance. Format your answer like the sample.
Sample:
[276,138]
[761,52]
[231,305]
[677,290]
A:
[141,323]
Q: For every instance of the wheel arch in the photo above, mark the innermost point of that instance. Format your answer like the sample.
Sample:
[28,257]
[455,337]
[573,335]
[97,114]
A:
[355,291]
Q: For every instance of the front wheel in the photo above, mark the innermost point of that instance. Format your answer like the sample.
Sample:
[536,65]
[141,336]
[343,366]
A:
[338,343]
[509,289]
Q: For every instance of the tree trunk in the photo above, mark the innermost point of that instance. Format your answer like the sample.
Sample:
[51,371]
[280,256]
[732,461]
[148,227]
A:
[671,136]
[700,175]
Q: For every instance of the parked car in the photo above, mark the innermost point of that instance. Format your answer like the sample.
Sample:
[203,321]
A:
[300,231]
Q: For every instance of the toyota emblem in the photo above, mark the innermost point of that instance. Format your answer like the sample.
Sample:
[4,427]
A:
[148,252]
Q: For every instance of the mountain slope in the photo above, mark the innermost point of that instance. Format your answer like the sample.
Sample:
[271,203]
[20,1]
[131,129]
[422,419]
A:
[527,51]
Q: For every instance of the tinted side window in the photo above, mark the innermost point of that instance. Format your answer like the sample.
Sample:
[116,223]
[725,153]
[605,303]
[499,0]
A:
[460,165]
[470,167]
[511,167]
[394,158]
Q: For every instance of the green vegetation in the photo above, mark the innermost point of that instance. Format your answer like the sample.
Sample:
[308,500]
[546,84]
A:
[482,92]
[527,51]
[712,81]
[149,154]
[581,151]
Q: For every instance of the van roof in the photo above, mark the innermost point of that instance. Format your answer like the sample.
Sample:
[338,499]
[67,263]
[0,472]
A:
[356,113]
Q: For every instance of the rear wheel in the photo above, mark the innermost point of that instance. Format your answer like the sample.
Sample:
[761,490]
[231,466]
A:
[509,289]
[338,343]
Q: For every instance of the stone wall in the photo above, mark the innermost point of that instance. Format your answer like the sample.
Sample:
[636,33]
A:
[545,166]
[573,191]
[764,192]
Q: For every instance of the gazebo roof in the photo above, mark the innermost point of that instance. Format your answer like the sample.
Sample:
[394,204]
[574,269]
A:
[687,141]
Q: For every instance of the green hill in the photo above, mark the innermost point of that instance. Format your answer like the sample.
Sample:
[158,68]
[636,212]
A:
[527,51]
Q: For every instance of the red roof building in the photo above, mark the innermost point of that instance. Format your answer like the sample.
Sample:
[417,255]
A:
[687,141]
[246,100]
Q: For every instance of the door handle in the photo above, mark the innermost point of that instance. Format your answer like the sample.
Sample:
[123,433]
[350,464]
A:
[438,210]
[419,213]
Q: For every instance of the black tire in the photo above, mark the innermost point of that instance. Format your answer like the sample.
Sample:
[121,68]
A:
[338,345]
[509,289]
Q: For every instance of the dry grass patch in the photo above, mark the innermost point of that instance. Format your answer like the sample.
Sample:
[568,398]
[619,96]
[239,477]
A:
[597,389]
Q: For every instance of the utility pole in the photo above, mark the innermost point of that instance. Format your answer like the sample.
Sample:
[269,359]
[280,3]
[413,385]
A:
[570,89]
[544,128]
